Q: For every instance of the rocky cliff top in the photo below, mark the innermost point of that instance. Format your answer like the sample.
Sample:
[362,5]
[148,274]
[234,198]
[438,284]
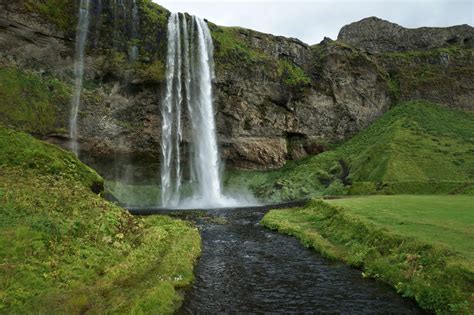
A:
[376,35]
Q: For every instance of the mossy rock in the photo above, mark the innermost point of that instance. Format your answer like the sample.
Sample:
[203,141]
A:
[57,12]
[33,102]
[292,75]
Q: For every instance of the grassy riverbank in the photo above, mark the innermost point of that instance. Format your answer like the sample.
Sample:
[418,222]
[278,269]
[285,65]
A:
[421,245]
[63,249]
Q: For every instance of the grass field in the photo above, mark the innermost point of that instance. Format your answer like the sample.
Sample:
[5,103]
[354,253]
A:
[65,250]
[443,220]
[421,245]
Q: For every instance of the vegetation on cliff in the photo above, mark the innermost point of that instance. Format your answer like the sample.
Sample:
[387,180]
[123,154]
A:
[57,12]
[293,76]
[417,147]
[63,249]
[440,74]
[152,32]
[33,102]
[232,52]
[418,244]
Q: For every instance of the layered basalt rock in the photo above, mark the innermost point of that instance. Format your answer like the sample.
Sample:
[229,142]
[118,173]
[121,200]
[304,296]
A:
[377,36]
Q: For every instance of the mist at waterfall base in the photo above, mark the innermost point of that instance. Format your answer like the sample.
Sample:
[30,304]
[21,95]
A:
[189,76]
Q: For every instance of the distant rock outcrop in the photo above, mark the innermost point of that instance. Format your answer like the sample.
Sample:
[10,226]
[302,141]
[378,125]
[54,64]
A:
[376,35]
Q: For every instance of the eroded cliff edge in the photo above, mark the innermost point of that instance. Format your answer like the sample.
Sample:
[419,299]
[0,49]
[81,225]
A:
[276,98]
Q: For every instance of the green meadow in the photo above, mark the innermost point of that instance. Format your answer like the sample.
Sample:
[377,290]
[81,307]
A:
[421,245]
[440,220]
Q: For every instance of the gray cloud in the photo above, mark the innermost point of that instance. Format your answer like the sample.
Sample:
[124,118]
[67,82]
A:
[310,21]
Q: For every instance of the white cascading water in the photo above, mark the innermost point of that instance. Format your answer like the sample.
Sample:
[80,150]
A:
[189,75]
[81,38]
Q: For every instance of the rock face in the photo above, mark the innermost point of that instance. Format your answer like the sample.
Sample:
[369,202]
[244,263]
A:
[276,98]
[376,35]
[346,91]
[431,63]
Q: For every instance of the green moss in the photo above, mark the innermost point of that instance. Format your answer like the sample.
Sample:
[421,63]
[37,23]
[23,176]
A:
[152,31]
[232,52]
[416,141]
[154,13]
[57,12]
[31,102]
[292,75]
[417,148]
[394,88]
[438,278]
[114,64]
[154,72]
[22,150]
[296,179]
[423,70]
[66,250]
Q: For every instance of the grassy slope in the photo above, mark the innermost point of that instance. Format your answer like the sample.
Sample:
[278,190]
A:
[63,249]
[417,147]
[439,274]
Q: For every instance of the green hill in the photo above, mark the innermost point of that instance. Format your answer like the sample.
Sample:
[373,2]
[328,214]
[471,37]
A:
[417,147]
[64,249]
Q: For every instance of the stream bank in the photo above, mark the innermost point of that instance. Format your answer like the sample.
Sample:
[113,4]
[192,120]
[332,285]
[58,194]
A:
[247,268]
[438,276]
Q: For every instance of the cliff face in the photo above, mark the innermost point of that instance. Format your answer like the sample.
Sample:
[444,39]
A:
[119,123]
[431,63]
[378,36]
[276,98]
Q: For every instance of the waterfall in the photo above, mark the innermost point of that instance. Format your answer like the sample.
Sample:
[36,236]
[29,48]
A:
[114,4]
[134,48]
[190,61]
[81,37]
[98,23]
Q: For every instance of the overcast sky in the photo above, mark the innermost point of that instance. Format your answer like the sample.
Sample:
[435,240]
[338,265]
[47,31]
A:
[310,21]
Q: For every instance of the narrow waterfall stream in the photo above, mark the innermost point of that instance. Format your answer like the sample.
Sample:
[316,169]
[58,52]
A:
[81,39]
[189,75]
[134,33]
